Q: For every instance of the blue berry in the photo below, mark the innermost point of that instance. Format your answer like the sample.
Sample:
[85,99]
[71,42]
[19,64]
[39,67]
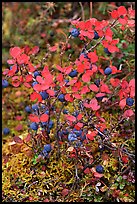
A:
[76,113]
[82,137]
[77,132]
[6,131]
[34,126]
[107,71]
[75,32]
[96,36]
[61,97]
[47,147]
[99,169]
[28,109]
[51,124]
[72,137]
[5,83]
[47,112]
[36,73]
[100,98]
[65,111]
[107,51]
[35,107]
[65,132]
[44,123]
[45,153]
[73,73]
[129,101]
[97,82]
[44,95]
[34,83]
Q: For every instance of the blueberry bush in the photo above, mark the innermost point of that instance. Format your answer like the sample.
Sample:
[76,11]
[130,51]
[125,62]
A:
[74,109]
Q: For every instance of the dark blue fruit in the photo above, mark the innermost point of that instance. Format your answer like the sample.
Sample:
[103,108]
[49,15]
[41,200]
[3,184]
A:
[77,132]
[73,73]
[51,124]
[35,107]
[36,73]
[47,147]
[75,32]
[6,131]
[5,83]
[96,36]
[28,109]
[44,95]
[107,71]
[34,83]
[76,113]
[97,82]
[107,51]
[72,137]
[34,126]
[99,169]
[65,111]
[129,101]
[61,97]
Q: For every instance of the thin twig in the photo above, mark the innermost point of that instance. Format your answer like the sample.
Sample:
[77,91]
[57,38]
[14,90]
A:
[90,10]
[82,11]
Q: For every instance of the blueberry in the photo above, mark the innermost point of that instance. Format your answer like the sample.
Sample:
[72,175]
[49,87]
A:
[44,95]
[34,126]
[129,101]
[65,132]
[35,107]
[61,97]
[99,169]
[82,137]
[28,109]
[73,73]
[51,124]
[48,131]
[96,36]
[34,83]
[97,82]
[36,73]
[75,32]
[47,147]
[5,83]
[51,33]
[65,111]
[45,153]
[6,131]
[77,132]
[107,71]
[76,113]
[43,106]
[47,112]
[44,123]
[107,51]
[72,137]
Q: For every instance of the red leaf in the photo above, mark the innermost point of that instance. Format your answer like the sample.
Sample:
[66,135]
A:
[17,139]
[77,96]
[29,78]
[37,87]
[18,117]
[40,79]
[91,135]
[84,90]
[35,96]
[94,104]
[125,159]
[94,88]
[15,51]
[122,10]
[114,82]
[132,83]
[132,91]
[68,97]
[122,103]
[12,71]
[79,125]
[122,21]
[53,48]
[80,68]
[114,14]
[27,85]
[59,68]
[85,77]
[93,57]
[73,81]
[51,92]
[68,69]
[79,117]
[19,127]
[28,138]
[112,48]
[44,118]
[98,175]
[87,171]
[59,77]
[128,113]
[23,59]
[104,88]
[71,118]
[11,61]
[86,105]
[34,50]
[65,192]
[100,94]
[34,118]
